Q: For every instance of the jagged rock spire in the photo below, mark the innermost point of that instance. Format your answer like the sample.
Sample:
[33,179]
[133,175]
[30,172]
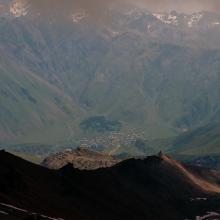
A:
[161,154]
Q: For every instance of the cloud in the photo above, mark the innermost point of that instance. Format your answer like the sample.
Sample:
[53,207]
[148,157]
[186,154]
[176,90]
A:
[182,5]
[96,7]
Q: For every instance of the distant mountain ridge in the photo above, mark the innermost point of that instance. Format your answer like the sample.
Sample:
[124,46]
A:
[212,162]
[202,141]
[137,69]
[22,8]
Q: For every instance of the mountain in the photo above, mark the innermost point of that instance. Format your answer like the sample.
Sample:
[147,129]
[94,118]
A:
[64,74]
[81,158]
[212,162]
[120,192]
[199,146]
[29,103]
[10,212]
[202,141]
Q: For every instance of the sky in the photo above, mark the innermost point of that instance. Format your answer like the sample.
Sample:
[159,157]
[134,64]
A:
[183,5]
[95,6]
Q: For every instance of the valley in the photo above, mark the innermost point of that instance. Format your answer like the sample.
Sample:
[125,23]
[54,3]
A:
[68,74]
[91,92]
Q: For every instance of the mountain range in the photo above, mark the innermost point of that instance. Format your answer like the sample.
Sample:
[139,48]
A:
[65,77]
[88,93]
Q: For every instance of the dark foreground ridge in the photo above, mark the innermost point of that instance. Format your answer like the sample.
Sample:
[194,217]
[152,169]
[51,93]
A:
[155,188]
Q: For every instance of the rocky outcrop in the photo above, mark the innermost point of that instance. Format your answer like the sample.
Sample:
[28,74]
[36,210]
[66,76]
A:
[81,158]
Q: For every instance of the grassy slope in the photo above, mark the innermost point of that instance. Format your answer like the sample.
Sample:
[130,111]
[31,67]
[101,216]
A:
[142,84]
[203,141]
[200,142]
[30,104]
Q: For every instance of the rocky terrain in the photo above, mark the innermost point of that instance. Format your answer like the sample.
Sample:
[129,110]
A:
[10,212]
[81,158]
[132,189]
[120,79]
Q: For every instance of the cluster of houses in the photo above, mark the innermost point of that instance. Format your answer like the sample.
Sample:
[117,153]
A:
[112,140]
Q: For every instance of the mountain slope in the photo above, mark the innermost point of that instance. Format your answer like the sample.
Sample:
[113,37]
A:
[138,69]
[200,146]
[200,142]
[207,161]
[30,106]
[120,192]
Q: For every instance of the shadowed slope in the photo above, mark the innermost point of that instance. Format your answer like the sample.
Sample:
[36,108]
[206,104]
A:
[133,189]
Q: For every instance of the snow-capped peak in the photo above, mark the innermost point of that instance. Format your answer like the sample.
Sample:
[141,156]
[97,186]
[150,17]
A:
[167,18]
[78,16]
[189,20]
[19,8]
[194,19]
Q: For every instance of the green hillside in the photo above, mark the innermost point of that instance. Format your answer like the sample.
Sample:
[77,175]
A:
[56,75]
[31,109]
[197,143]
[200,142]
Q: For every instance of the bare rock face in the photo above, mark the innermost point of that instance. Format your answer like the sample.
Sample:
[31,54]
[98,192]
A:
[81,158]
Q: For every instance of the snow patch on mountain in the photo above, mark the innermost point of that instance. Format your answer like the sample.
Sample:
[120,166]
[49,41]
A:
[188,20]
[194,19]
[78,16]
[167,18]
[19,8]
[111,32]
[217,23]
